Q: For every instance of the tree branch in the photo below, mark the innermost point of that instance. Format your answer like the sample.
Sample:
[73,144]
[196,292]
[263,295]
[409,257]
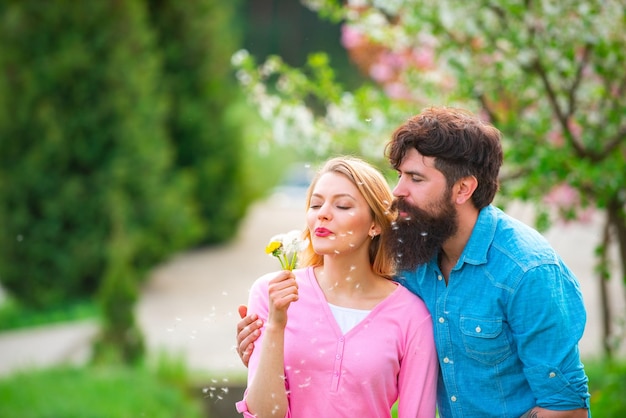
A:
[571,97]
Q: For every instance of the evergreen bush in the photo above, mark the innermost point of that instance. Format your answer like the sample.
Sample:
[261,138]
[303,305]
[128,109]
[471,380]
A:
[198,38]
[88,189]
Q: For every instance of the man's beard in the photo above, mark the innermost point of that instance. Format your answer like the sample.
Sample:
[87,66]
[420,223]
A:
[417,235]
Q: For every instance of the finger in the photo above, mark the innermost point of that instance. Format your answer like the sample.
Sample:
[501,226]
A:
[243,311]
[284,276]
[245,330]
[246,321]
[245,356]
[247,344]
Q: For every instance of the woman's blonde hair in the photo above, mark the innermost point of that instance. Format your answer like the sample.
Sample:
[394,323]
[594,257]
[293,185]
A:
[374,188]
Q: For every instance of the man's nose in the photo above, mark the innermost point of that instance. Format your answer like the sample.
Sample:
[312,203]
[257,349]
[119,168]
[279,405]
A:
[399,190]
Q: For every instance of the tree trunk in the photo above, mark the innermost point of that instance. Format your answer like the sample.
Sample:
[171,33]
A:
[603,276]
[617,220]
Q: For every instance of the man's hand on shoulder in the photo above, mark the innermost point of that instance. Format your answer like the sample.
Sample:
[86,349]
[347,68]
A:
[247,333]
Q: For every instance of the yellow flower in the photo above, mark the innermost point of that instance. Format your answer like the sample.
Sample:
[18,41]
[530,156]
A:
[286,247]
[273,246]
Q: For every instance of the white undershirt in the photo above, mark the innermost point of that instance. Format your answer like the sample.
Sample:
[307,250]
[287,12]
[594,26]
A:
[347,318]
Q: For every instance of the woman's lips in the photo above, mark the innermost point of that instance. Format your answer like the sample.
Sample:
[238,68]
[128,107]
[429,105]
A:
[322,232]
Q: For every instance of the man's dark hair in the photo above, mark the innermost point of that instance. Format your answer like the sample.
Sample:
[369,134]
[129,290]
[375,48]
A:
[461,144]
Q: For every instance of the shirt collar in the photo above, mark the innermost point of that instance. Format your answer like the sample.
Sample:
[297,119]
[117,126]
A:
[484,231]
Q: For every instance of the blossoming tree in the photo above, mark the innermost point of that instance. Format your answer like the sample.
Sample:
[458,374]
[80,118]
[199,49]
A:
[551,75]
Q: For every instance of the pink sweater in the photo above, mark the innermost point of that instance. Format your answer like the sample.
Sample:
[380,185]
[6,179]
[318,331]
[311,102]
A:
[389,355]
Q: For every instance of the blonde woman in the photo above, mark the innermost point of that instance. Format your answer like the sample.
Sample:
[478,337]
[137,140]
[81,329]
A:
[340,338]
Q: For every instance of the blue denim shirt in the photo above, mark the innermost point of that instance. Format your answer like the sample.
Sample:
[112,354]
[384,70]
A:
[507,325]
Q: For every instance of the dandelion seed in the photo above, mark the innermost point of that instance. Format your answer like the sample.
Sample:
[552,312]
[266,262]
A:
[424,233]
[368,120]
[350,232]
[337,252]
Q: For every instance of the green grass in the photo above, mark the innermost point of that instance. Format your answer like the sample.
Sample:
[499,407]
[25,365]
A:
[92,392]
[607,385]
[14,315]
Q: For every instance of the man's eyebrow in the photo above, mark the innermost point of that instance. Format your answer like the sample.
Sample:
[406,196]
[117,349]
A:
[411,173]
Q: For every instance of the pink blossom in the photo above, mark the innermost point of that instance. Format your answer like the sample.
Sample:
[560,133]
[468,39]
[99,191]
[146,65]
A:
[575,128]
[566,200]
[484,116]
[563,196]
[393,59]
[351,37]
[555,138]
[381,72]
[397,90]
[423,58]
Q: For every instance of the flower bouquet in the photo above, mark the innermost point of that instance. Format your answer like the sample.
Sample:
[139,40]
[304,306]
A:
[286,247]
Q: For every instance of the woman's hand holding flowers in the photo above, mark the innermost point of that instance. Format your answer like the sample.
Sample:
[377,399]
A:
[283,289]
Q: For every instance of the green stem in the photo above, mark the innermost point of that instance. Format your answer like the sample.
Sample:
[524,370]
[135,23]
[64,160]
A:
[292,264]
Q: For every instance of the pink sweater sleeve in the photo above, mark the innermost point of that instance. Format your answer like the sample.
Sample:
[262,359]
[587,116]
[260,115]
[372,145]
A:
[258,304]
[417,381]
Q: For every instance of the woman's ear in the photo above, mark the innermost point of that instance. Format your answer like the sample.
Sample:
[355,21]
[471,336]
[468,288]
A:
[374,231]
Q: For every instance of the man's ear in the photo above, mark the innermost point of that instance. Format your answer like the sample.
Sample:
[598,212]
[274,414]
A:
[464,189]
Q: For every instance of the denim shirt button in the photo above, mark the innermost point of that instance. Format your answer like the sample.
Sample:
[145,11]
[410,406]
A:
[453,398]
[552,374]
[478,329]
[441,320]
[439,277]
[446,360]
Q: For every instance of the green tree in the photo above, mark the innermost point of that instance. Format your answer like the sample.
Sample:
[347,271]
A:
[197,38]
[550,75]
[89,199]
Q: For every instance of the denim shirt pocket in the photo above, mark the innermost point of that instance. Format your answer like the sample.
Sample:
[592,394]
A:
[484,339]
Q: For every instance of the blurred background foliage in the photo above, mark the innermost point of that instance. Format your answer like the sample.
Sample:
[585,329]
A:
[125,138]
